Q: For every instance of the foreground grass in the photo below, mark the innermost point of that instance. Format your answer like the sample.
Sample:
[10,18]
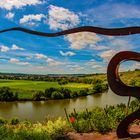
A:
[50,130]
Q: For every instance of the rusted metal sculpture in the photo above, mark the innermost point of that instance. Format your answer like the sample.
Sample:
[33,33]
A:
[116,85]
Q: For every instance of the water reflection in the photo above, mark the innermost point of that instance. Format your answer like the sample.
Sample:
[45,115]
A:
[37,111]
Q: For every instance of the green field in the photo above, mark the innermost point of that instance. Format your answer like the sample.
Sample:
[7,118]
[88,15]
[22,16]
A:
[26,88]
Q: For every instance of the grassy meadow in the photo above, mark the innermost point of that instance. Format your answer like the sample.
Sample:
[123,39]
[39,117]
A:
[26,88]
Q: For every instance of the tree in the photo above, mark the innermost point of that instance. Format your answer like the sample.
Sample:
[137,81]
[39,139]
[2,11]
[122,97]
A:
[66,92]
[6,94]
[37,96]
[48,92]
[63,82]
[57,95]
[83,92]
[97,88]
[74,94]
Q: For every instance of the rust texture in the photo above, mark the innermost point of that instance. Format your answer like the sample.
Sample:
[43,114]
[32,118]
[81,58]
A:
[116,85]
[98,30]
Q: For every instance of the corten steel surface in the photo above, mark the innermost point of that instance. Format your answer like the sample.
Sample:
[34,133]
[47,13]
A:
[116,85]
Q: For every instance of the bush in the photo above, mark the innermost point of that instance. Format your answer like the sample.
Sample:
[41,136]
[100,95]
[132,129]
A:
[2,121]
[37,96]
[7,95]
[66,92]
[63,82]
[57,95]
[97,88]
[83,92]
[48,92]
[14,121]
[16,96]
[74,94]
[100,87]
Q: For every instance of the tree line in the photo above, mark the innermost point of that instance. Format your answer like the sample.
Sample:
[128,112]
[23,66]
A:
[60,79]
[65,93]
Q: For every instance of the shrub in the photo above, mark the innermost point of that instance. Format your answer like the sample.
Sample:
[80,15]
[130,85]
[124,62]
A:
[66,92]
[82,92]
[16,96]
[6,94]
[37,96]
[56,128]
[14,121]
[57,95]
[97,88]
[48,92]
[63,82]
[74,94]
[100,87]
[2,121]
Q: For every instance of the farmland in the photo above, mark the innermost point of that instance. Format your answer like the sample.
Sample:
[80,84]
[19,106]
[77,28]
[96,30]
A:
[92,83]
[26,88]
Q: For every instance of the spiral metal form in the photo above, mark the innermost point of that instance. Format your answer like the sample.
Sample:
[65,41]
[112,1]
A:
[116,85]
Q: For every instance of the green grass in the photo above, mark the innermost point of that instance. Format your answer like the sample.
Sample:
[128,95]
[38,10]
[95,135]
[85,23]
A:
[26,88]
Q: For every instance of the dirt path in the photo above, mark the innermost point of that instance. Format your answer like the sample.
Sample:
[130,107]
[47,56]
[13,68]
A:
[108,136]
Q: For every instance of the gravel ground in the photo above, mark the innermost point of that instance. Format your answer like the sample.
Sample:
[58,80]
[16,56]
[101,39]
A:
[108,136]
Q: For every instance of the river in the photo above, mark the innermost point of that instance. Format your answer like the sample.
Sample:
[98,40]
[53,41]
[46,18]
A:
[37,111]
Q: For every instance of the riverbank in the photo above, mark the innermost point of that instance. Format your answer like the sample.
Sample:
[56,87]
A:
[19,90]
[135,129]
[99,121]
[38,110]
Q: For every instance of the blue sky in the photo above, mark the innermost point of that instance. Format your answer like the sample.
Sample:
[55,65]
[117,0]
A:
[76,53]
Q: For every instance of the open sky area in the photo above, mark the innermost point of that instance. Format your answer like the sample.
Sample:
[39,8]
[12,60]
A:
[76,53]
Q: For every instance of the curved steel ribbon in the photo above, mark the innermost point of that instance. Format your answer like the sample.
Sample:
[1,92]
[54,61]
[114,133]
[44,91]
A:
[98,30]
[117,86]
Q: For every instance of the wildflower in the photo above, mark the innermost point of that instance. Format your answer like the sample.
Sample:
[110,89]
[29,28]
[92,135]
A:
[72,120]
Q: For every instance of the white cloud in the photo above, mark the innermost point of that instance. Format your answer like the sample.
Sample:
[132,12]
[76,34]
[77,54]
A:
[10,4]
[137,64]
[18,62]
[40,56]
[62,18]
[10,15]
[82,40]
[106,55]
[75,68]
[120,12]
[102,47]
[52,62]
[93,64]
[129,65]
[15,47]
[120,44]
[98,67]
[49,60]
[134,66]
[30,19]
[69,53]
[4,48]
